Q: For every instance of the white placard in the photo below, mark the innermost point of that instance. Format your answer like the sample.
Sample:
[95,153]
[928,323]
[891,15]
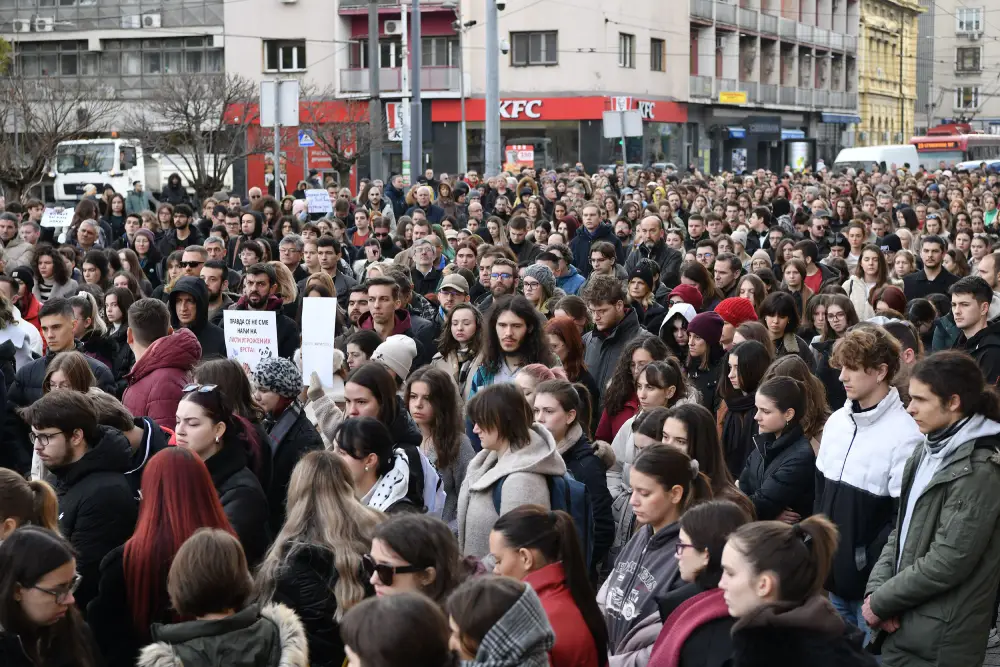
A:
[58,219]
[318,201]
[319,327]
[251,335]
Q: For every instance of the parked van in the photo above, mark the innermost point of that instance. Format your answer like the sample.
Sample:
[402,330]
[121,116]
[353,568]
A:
[886,157]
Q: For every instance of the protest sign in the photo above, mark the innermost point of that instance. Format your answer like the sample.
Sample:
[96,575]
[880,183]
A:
[319,318]
[251,335]
[318,201]
[57,218]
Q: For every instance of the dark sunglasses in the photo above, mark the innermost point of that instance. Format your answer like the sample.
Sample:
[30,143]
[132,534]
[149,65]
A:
[190,265]
[385,571]
[200,388]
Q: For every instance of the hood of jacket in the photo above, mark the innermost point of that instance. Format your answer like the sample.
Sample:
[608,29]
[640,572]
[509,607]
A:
[199,292]
[538,456]
[602,233]
[180,350]
[975,427]
[685,310]
[816,615]
[522,636]
[401,323]
[391,487]
[273,303]
[987,338]
[111,453]
[246,635]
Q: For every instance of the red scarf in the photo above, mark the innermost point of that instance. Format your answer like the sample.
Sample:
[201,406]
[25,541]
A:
[685,619]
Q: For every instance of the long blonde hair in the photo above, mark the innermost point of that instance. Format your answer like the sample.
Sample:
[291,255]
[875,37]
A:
[287,289]
[324,512]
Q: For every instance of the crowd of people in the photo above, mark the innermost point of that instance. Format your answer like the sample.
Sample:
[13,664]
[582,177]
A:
[642,418]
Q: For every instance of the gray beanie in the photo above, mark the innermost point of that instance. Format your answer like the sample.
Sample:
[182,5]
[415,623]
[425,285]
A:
[278,375]
[543,275]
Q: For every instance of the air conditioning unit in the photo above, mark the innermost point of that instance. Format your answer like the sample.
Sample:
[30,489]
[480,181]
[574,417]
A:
[720,42]
[22,25]
[975,36]
[393,27]
[44,24]
[152,20]
[131,22]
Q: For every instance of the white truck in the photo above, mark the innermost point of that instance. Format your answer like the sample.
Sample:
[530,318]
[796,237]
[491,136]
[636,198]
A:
[118,163]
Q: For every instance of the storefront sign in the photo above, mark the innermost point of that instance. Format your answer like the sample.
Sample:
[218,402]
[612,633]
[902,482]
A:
[647,110]
[766,128]
[732,97]
[554,109]
[513,109]
[519,155]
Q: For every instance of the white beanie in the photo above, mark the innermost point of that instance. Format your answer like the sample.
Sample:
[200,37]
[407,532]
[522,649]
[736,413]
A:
[397,353]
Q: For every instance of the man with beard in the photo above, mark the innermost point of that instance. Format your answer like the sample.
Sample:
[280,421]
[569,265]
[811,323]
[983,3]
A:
[290,253]
[727,272]
[189,310]
[501,208]
[260,285]
[213,274]
[615,324]
[503,281]
[654,247]
[183,234]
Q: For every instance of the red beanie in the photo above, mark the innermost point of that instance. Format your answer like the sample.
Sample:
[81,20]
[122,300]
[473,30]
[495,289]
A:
[688,294]
[708,326]
[736,310]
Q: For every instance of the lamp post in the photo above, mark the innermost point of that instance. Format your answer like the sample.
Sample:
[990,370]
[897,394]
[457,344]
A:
[461,27]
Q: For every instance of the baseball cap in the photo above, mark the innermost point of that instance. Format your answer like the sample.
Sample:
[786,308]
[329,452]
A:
[25,276]
[456,282]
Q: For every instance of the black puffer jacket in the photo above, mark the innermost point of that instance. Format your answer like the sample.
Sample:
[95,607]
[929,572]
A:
[305,583]
[104,349]
[97,511]
[780,474]
[586,468]
[27,387]
[124,359]
[211,337]
[293,436]
[706,380]
[242,498]
[830,376]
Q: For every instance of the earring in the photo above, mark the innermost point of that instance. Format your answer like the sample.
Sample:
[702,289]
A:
[366,468]
[218,439]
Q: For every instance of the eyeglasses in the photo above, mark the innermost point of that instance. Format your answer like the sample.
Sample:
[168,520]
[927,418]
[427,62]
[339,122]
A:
[680,547]
[190,265]
[200,388]
[63,594]
[382,235]
[501,276]
[43,438]
[530,284]
[385,571]
[839,315]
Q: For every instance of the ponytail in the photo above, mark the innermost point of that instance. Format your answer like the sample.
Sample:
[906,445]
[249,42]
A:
[554,535]
[571,396]
[799,555]
[28,502]
[671,467]
[46,505]
[787,394]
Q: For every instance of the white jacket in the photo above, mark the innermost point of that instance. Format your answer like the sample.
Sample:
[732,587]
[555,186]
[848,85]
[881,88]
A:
[857,292]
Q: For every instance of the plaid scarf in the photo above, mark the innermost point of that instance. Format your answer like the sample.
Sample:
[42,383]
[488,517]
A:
[521,638]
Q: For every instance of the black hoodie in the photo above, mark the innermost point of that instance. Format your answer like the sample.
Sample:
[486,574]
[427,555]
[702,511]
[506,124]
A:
[985,349]
[174,191]
[211,337]
[97,511]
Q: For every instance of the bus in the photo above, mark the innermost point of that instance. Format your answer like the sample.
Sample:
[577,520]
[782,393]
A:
[946,146]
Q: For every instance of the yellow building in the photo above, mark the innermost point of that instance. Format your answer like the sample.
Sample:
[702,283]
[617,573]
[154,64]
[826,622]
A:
[887,49]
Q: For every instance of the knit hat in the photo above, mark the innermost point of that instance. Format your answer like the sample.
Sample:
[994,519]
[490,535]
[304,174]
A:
[687,294]
[148,235]
[740,237]
[707,326]
[543,275]
[736,310]
[643,274]
[279,375]
[397,353]
[762,255]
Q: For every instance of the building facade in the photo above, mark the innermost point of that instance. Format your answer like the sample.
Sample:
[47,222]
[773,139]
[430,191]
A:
[888,75]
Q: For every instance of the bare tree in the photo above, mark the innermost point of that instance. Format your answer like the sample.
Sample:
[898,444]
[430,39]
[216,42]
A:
[340,128]
[205,122]
[35,115]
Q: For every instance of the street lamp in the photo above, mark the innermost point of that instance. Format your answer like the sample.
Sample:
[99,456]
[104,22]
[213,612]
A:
[461,28]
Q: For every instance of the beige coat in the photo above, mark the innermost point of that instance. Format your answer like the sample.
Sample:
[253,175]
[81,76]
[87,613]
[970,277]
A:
[526,484]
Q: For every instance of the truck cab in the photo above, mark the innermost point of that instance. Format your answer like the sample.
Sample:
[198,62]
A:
[101,162]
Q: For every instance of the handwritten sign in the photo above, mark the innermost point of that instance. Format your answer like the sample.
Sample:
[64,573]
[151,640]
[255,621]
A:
[250,335]
[319,321]
[57,218]
[318,201]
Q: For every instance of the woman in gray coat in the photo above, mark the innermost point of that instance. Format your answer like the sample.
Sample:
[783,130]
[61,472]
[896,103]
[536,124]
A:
[52,279]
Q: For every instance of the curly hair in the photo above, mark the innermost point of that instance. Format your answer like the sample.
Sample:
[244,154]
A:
[533,348]
[622,384]
[867,348]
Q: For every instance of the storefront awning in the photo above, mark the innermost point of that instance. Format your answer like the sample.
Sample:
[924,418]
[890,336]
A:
[737,133]
[841,118]
[793,134]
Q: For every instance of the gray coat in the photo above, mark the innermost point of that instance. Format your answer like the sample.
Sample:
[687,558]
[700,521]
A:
[66,290]
[602,351]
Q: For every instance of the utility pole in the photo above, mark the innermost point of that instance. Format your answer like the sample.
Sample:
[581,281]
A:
[404,75]
[463,148]
[277,139]
[416,108]
[492,166]
[374,103]
[902,99]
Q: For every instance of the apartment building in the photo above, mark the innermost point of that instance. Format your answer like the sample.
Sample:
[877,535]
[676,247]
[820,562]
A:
[888,72]
[772,82]
[960,49]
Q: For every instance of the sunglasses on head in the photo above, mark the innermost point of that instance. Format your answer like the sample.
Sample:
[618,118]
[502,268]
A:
[385,571]
[200,388]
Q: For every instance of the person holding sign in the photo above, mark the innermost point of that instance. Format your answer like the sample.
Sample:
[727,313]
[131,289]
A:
[259,287]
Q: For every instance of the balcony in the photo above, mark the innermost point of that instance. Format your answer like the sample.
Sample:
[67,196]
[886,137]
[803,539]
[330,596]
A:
[837,98]
[701,87]
[768,24]
[724,85]
[750,88]
[821,98]
[725,13]
[390,79]
[702,9]
[851,43]
[748,19]
[804,33]
[787,96]
[804,97]
[821,37]
[837,41]
[786,28]
[767,93]
[852,101]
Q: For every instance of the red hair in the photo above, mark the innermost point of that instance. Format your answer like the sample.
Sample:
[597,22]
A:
[565,329]
[178,498]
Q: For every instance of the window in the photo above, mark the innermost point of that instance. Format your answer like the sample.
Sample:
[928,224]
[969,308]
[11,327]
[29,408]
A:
[284,56]
[967,59]
[534,48]
[969,19]
[967,97]
[626,50]
[119,58]
[439,52]
[657,51]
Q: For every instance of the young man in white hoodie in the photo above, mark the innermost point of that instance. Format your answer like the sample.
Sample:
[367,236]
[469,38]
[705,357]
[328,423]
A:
[865,445]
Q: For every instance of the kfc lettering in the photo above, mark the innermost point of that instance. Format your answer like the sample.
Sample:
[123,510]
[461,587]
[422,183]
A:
[512,109]
[647,110]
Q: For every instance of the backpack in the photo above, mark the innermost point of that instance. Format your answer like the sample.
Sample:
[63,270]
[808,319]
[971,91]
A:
[570,496]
